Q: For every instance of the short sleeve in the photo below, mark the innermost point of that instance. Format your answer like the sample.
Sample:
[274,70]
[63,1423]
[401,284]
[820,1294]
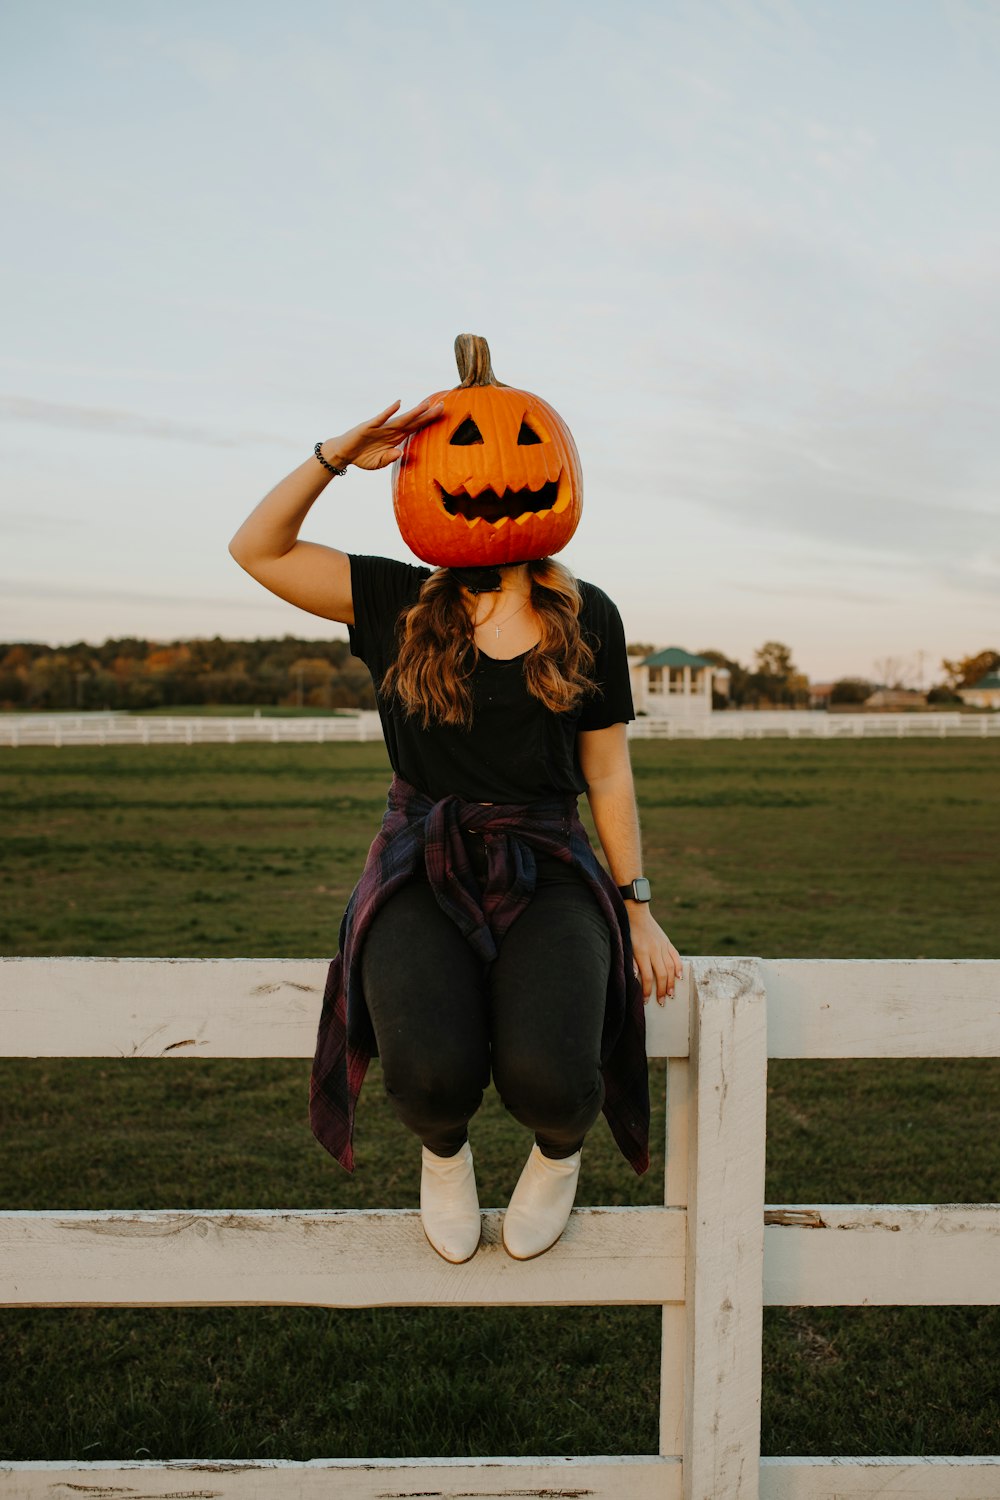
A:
[612,704]
[380,588]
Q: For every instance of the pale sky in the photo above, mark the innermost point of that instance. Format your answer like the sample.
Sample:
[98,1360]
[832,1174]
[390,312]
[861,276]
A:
[749,251]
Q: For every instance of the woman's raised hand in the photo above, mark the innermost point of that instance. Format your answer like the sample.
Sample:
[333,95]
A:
[379,441]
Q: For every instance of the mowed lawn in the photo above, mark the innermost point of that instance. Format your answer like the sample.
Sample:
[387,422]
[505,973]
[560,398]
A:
[871,849]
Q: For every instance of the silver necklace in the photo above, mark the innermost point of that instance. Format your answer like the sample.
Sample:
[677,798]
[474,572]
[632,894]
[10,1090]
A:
[511,616]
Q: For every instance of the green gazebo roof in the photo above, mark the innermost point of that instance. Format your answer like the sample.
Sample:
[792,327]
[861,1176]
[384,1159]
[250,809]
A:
[675,656]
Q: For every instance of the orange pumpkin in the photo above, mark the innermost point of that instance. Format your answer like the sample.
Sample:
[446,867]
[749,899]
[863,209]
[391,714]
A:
[495,479]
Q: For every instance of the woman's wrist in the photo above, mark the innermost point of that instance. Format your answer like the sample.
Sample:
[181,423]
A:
[333,453]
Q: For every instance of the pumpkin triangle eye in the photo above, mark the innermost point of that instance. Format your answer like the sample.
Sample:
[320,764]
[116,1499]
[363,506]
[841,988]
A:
[526,435]
[466,434]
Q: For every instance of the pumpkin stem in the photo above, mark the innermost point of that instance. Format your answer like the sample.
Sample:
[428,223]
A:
[472,355]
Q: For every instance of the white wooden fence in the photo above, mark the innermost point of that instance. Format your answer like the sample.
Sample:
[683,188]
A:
[18,730]
[713,1256]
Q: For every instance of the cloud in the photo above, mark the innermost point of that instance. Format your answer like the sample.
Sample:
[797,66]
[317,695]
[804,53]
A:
[62,592]
[773,591]
[124,423]
[978,578]
[20,522]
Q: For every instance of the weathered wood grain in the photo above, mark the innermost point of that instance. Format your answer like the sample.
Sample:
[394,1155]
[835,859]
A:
[618,1478]
[259,1007]
[349,1479]
[726,1126]
[873,1007]
[178,1008]
[933,1478]
[882,1255]
[328,1258]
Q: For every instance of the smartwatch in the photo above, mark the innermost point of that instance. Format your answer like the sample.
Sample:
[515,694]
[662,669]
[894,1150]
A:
[637,890]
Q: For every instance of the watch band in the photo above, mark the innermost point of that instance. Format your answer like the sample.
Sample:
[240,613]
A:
[636,890]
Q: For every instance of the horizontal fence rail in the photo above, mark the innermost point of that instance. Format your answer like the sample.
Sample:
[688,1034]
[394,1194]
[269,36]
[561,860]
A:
[873,1255]
[652,1478]
[21,730]
[269,1007]
[326,1258]
[712,1256]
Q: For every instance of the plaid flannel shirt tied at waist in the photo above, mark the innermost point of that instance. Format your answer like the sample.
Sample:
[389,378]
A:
[417,829]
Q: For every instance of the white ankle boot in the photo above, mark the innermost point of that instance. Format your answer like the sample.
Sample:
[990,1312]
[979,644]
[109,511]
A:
[540,1204]
[449,1203]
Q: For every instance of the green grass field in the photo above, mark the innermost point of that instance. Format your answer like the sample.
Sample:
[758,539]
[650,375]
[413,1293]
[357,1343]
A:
[874,849]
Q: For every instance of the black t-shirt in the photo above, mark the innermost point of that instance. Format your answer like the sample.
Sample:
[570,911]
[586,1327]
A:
[517,749]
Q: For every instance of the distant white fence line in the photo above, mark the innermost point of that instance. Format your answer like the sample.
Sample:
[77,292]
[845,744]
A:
[712,1255]
[790,723]
[133,729]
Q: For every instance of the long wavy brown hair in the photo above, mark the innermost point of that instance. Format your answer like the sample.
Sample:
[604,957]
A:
[438,654]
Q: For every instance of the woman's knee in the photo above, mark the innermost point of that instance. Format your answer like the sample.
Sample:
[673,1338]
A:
[443,1086]
[548,1100]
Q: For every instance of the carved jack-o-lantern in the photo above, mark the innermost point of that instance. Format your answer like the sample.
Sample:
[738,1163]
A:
[495,479]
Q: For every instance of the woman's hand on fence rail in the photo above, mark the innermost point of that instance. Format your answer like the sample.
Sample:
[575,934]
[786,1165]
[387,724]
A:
[656,959]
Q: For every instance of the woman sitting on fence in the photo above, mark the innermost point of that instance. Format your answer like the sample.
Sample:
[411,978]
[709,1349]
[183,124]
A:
[483,933]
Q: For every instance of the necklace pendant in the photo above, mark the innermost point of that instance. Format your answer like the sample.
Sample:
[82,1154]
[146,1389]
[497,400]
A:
[498,632]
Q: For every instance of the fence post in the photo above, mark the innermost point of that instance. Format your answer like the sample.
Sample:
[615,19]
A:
[725,1230]
[673,1324]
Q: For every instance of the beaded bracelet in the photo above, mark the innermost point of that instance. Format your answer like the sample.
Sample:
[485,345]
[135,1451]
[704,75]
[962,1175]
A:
[332,467]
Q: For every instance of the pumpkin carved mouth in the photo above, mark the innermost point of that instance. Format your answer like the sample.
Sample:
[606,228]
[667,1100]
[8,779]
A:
[511,505]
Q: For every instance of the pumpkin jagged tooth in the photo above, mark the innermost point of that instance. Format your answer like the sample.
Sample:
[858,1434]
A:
[545,479]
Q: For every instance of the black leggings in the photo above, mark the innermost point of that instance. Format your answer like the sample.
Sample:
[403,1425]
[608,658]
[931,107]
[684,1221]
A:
[442,1016]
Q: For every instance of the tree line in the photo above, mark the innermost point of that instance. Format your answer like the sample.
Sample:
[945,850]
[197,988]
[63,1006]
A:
[128,672]
[131,673]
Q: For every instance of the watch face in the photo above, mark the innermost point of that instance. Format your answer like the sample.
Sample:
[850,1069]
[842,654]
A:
[641,888]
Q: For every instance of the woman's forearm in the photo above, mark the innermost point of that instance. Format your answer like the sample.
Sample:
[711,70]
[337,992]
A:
[272,528]
[616,818]
[604,760]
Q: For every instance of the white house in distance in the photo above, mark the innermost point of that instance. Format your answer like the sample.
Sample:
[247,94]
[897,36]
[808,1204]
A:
[985,693]
[675,683]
